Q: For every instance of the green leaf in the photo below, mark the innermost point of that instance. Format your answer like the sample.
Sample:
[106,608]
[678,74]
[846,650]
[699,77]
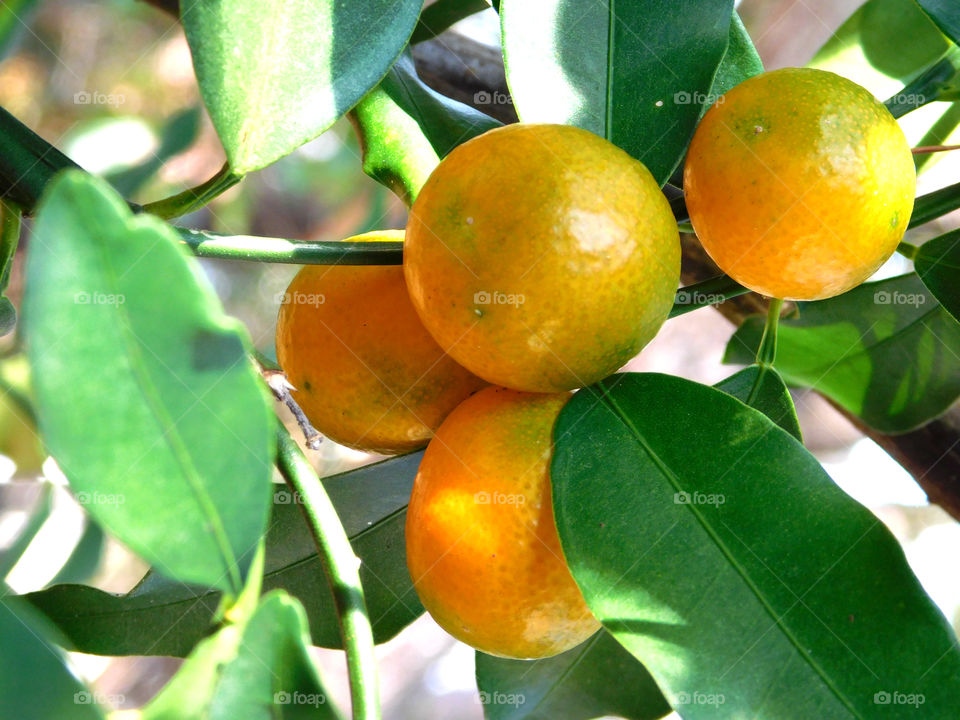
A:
[442,14]
[636,73]
[763,389]
[938,265]
[886,351]
[11,555]
[258,669]
[274,74]
[85,558]
[598,677]
[445,123]
[720,553]
[935,204]
[894,38]
[740,61]
[946,14]
[176,136]
[27,162]
[8,315]
[165,617]
[144,393]
[34,681]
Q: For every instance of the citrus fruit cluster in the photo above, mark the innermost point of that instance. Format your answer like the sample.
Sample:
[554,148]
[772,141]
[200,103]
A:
[538,258]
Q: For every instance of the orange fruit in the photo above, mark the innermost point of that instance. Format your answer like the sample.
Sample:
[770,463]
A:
[541,257]
[799,183]
[366,372]
[482,546]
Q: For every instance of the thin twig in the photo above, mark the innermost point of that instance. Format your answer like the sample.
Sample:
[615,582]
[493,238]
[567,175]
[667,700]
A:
[342,568]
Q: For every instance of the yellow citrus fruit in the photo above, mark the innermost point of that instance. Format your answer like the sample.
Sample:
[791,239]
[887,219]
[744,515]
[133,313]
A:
[541,257]
[366,372]
[482,546]
[799,183]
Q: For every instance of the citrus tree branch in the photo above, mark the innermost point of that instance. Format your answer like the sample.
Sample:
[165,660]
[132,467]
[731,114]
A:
[341,566]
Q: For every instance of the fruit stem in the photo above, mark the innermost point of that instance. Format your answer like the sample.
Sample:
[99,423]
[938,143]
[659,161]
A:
[767,352]
[194,198]
[276,250]
[342,568]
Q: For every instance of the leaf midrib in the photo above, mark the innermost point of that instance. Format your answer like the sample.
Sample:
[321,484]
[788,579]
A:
[171,434]
[725,551]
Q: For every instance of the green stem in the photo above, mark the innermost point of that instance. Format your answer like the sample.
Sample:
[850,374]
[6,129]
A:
[705,293]
[342,569]
[767,352]
[9,239]
[276,250]
[907,250]
[194,198]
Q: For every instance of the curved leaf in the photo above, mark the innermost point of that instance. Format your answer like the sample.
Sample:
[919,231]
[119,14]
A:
[257,669]
[598,677]
[938,265]
[719,552]
[636,73]
[740,61]
[34,681]
[946,14]
[144,393]
[764,390]
[886,351]
[274,74]
[165,617]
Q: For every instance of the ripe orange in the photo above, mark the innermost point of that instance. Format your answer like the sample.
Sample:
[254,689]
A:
[541,257]
[482,547]
[799,183]
[366,371]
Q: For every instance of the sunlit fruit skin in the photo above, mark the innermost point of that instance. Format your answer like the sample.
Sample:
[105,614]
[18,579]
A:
[541,257]
[367,373]
[482,546]
[799,184]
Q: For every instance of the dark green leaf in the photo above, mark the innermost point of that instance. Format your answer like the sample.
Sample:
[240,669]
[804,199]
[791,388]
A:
[637,73]
[10,555]
[85,558]
[259,669]
[718,551]
[935,204]
[740,61]
[34,681]
[446,123]
[27,162]
[946,14]
[442,14]
[764,390]
[938,265]
[177,135]
[275,74]
[886,351]
[8,315]
[165,617]
[598,677]
[144,392]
